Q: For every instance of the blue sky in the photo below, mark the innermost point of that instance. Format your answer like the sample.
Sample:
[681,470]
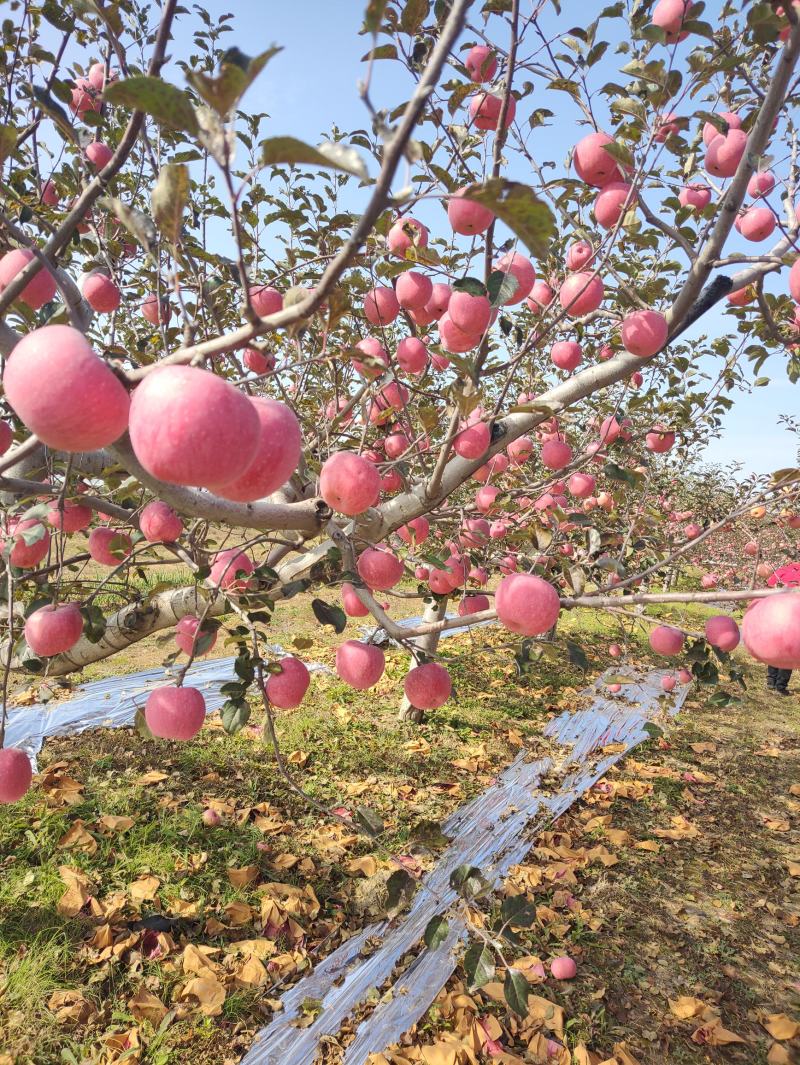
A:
[313,83]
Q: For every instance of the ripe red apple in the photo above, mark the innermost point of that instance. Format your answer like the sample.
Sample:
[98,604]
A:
[520,450]
[579,254]
[406,233]
[413,290]
[473,442]
[265,300]
[472,604]
[644,333]
[692,530]
[26,556]
[556,454]
[466,216]
[455,340]
[485,498]
[615,650]
[71,519]
[260,362]
[63,392]
[100,292]
[192,638]
[666,640]
[159,523]
[668,683]
[16,774]
[724,153]
[412,355]
[211,818]
[276,457]
[39,290]
[756,223]
[580,294]
[175,713]
[520,268]
[581,485]
[188,426]
[659,440]
[379,568]
[696,196]
[710,131]
[469,313]
[353,606]
[485,108]
[751,548]
[98,154]
[85,97]
[671,15]
[593,164]
[481,63]
[771,630]
[156,311]
[376,353]
[109,547]
[381,306]
[610,203]
[540,298]
[428,687]
[722,632]
[51,630]
[761,184]
[360,665]
[288,688]
[415,532]
[526,604]
[49,193]
[684,676]
[563,968]
[98,78]
[566,355]
[349,483]
[225,567]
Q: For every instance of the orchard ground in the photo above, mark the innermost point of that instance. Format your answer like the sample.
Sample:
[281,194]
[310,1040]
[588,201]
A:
[685,892]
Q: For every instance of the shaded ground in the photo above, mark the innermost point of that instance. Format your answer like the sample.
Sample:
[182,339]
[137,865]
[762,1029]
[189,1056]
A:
[113,836]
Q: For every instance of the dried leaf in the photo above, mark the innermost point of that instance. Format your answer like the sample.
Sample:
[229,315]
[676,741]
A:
[209,993]
[77,894]
[144,889]
[247,874]
[780,1026]
[147,1007]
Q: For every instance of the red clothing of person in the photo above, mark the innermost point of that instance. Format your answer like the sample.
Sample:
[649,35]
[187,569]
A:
[788,576]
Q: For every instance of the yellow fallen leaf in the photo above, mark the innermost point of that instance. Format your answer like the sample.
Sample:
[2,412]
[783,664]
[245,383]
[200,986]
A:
[244,876]
[780,1026]
[116,824]
[703,748]
[70,1007]
[366,866]
[282,863]
[252,973]
[649,845]
[778,1055]
[776,824]
[209,993]
[196,960]
[794,868]
[144,889]
[147,1007]
[77,894]
[153,777]
[77,838]
[298,758]
[794,789]
[713,1034]
[238,914]
[686,1007]
[682,829]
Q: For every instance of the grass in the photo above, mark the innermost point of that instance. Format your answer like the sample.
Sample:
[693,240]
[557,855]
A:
[661,929]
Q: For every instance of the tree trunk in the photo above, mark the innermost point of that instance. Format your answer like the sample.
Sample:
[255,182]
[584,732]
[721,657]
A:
[434,611]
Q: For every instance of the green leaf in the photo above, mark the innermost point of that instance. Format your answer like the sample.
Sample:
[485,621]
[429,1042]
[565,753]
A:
[414,15]
[373,16]
[33,534]
[167,104]
[471,285]
[515,991]
[479,966]
[400,887]
[528,217]
[237,72]
[139,225]
[329,615]
[501,287]
[468,881]
[278,150]
[8,142]
[517,911]
[577,656]
[54,110]
[169,198]
[619,153]
[383,51]
[141,726]
[653,731]
[234,716]
[427,833]
[436,932]
[369,820]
